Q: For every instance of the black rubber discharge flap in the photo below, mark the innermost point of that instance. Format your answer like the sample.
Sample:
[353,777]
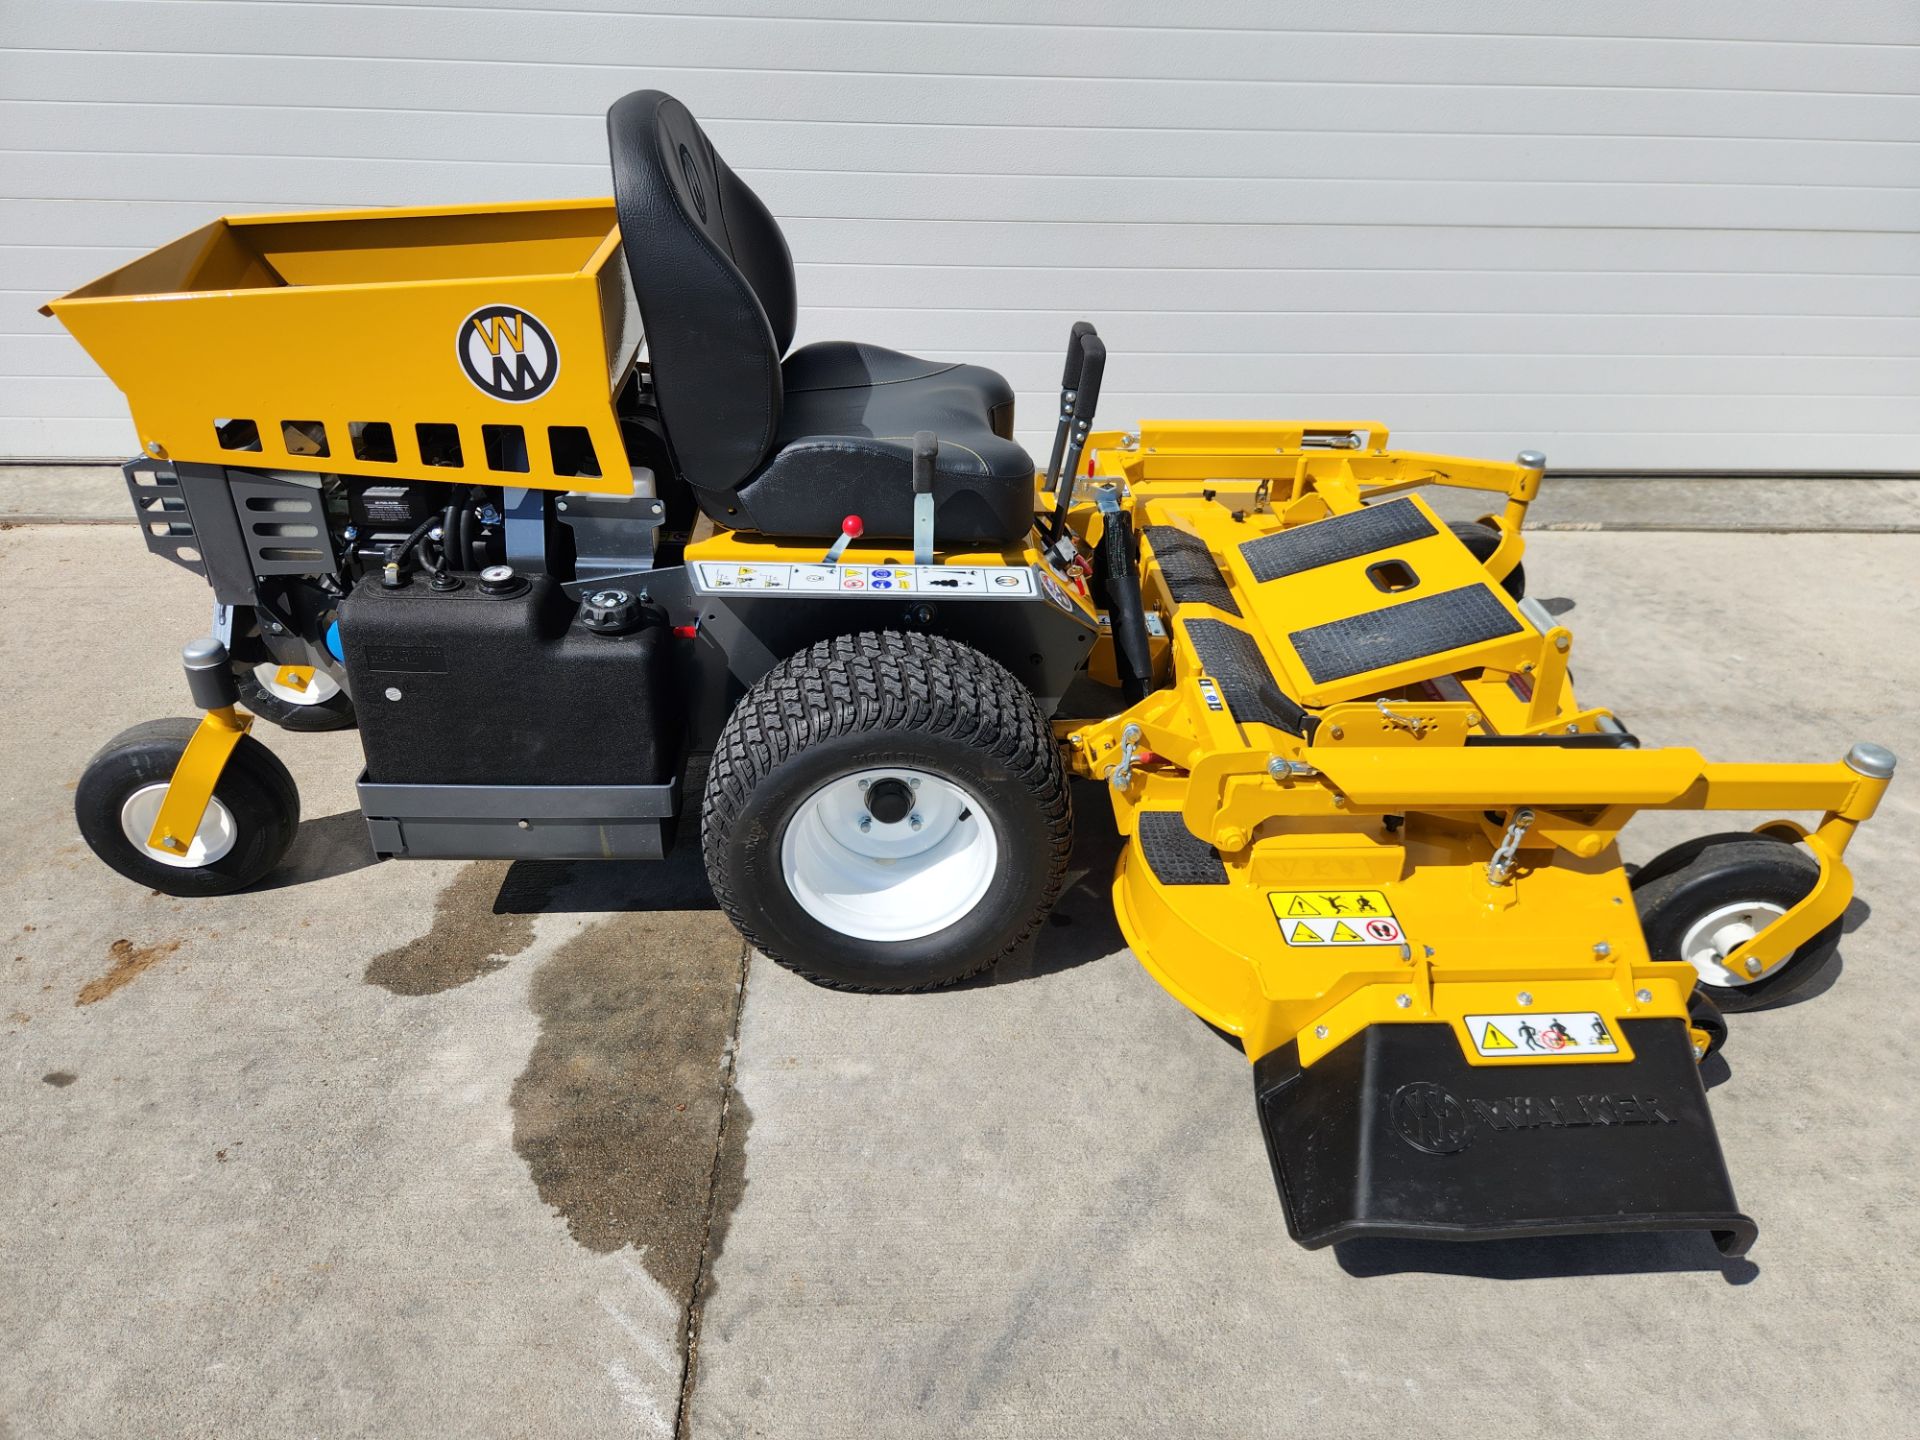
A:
[1337,538]
[1394,1134]
[1414,630]
[1192,576]
[1175,854]
[1232,659]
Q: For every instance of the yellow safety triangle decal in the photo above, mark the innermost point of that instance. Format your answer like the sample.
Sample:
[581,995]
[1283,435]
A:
[1494,1040]
[1302,936]
[1347,935]
[1302,906]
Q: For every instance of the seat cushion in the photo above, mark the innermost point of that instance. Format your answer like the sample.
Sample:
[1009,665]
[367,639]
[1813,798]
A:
[845,447]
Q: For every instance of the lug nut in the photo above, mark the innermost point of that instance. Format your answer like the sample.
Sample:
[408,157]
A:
[866,823]
[914,821]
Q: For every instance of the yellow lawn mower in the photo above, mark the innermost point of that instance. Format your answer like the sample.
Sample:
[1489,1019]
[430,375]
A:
[542,498]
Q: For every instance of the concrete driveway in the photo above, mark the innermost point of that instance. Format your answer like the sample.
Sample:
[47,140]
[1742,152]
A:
[476,1150]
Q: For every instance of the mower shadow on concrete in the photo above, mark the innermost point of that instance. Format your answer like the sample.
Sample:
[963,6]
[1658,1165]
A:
[323,848]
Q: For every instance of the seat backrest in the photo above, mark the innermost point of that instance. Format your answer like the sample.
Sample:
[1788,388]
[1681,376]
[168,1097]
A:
[715,284]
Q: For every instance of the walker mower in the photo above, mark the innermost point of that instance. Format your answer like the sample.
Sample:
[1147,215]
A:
[537,494]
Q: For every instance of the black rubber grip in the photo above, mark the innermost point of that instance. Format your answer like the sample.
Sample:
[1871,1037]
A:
[1069,378]
[1093,365]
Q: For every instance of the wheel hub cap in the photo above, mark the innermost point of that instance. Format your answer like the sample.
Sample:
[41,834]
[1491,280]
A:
[214,838]
[889,854]
[1717,934]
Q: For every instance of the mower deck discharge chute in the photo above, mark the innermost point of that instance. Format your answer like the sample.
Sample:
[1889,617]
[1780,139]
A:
[543,499]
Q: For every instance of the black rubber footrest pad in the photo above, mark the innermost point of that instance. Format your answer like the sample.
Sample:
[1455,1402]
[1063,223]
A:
[1175,854]
[1234,662]
[1337,538]
[1188,567]
[1470,615]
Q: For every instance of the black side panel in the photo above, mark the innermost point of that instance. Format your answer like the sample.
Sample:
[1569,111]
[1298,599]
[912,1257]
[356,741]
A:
[1337,538]
[1470,615]
[1233,660]
[216,525]
[1395,1134]
[1189,569]
[1175,854]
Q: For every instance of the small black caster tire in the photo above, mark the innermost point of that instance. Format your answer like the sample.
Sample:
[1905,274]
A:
[1703,1015]
[887,812]
[249,822]
[324,705]
[1698,900]
[1482,541]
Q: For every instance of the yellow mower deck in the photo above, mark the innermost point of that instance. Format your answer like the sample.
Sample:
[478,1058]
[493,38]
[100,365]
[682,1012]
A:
[1358,718]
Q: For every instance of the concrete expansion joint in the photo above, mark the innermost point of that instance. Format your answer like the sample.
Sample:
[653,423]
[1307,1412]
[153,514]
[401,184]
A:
[690,1337]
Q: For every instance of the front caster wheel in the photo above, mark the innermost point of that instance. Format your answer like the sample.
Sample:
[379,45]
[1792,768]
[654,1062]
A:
[1699,900]
[1481,541]
[887,812]
[248,825]
[322,705]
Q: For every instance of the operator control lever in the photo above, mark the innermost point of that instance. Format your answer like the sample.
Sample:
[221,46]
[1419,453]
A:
[1076,421]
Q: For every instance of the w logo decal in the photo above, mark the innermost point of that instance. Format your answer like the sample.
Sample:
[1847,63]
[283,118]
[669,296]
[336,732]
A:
[508,353]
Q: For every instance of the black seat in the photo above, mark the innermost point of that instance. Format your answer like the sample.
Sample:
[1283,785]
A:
[793,446]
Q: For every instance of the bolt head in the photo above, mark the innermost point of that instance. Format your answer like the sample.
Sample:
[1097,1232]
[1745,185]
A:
[1320,1032]
[1645,997]
[1525,997]
[1601,950]
[866,823]
[1699,1051]
[1754,967]
[1338,732]
[1403,1000]
[914,821]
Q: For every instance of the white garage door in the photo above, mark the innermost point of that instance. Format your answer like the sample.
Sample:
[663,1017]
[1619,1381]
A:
[1688,241]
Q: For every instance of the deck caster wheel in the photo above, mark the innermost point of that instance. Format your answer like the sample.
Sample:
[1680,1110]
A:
[1482,541]
[887,812]
[323,705]
[249,822]
[1699,900]
[1703,1015]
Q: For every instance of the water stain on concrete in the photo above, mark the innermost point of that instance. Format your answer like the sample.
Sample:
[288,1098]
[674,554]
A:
[127,962]
[618,1109]
[477,927]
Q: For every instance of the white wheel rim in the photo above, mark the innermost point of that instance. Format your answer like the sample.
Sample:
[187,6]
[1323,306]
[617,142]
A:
[1715,935]
[214,838]
[903,880]
[320,689]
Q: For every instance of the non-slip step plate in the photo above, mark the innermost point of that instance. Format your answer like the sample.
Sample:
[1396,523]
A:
[1234,662]
[1175,854]
[1471,615]
[1188,567]
[1337,538]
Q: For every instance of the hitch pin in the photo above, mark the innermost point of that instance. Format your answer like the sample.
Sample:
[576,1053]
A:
[1414,725]
[1500,867]
[1129,746]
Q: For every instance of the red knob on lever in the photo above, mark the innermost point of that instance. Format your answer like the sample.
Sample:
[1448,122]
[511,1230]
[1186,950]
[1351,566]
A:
[851,529]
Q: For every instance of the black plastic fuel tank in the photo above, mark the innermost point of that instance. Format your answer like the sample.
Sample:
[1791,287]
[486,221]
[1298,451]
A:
[502,682]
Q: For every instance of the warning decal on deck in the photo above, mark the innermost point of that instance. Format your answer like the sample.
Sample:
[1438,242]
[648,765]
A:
[1542,1034]
[1335,917]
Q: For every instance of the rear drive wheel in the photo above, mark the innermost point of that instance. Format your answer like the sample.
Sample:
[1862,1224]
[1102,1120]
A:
[247,827]
[887,812]
[1482,541]
[1699,900]
[322,705]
